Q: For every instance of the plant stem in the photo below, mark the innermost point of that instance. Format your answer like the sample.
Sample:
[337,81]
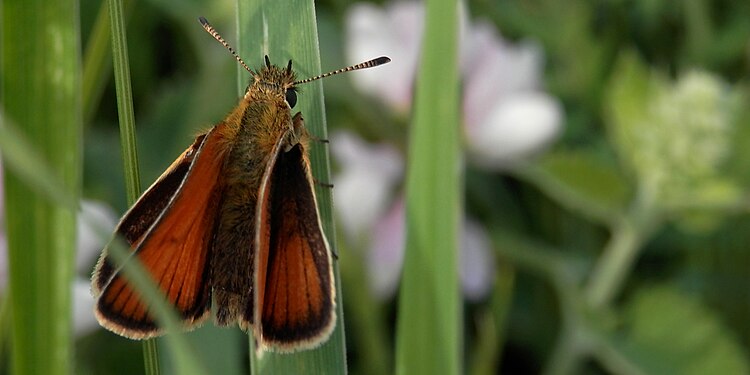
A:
[615,264]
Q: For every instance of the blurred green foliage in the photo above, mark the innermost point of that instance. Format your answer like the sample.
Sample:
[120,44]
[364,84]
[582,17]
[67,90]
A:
[623,249]
[609,62]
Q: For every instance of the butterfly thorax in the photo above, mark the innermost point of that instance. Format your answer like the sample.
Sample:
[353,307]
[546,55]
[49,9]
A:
[263,115]
[261,121]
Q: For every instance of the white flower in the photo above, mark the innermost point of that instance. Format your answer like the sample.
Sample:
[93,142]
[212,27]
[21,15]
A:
[507,115]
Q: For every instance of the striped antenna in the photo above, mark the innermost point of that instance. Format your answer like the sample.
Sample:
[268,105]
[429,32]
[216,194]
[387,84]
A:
[367,64]
[210,29]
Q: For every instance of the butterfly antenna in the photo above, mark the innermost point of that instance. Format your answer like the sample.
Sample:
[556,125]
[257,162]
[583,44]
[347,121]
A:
[210,29]
[367,64]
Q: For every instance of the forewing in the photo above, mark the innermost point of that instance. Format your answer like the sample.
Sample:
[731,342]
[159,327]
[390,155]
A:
[170,231]
[294,279]
[147,209]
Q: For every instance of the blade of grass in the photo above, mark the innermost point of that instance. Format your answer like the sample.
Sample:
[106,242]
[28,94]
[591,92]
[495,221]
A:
[185,361]
[428,337]
[287,30]
[96,61]
[124,99]
[29,166]
[127,137]
[18,155]
[40,91]
[96,65]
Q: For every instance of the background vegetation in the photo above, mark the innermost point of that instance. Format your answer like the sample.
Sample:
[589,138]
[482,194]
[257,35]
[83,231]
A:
[623,247]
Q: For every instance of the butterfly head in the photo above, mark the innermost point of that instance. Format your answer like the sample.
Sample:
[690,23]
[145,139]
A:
[273,83]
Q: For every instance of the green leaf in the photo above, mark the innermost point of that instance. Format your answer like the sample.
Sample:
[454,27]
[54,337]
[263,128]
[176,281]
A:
[286,30]
[630,93]
[667,332]
[708,208]
[428,337]
[582,182]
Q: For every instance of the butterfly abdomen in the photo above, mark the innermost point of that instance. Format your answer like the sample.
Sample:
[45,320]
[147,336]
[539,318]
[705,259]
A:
[235,228]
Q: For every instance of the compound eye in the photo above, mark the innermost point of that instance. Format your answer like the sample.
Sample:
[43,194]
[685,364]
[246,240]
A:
[291,97]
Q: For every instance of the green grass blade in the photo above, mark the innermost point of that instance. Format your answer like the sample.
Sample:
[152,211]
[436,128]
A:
[185,361]
[291,33]
[127,136]
[96,63]
[40,91]
[428,337]
[49,187]
[124,99]
[31,167]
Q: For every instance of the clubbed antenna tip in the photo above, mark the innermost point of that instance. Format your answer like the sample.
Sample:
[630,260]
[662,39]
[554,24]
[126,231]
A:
[367,64]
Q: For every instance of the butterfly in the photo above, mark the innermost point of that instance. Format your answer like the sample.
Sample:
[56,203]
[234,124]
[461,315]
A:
[233,224]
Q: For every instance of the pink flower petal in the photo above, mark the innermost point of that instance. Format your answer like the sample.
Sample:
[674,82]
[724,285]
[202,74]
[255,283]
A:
[515,129]
[91,242]
[477,261]
[2,198]
[496,70]
[363,187]
[3,260]
[386,256]
[394,32]
[84,321]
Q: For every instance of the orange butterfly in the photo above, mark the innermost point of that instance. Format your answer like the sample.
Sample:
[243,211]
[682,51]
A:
[234,220]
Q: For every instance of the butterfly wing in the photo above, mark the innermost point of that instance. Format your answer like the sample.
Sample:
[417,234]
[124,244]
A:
[294,292]
[147,209]
[170,230]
